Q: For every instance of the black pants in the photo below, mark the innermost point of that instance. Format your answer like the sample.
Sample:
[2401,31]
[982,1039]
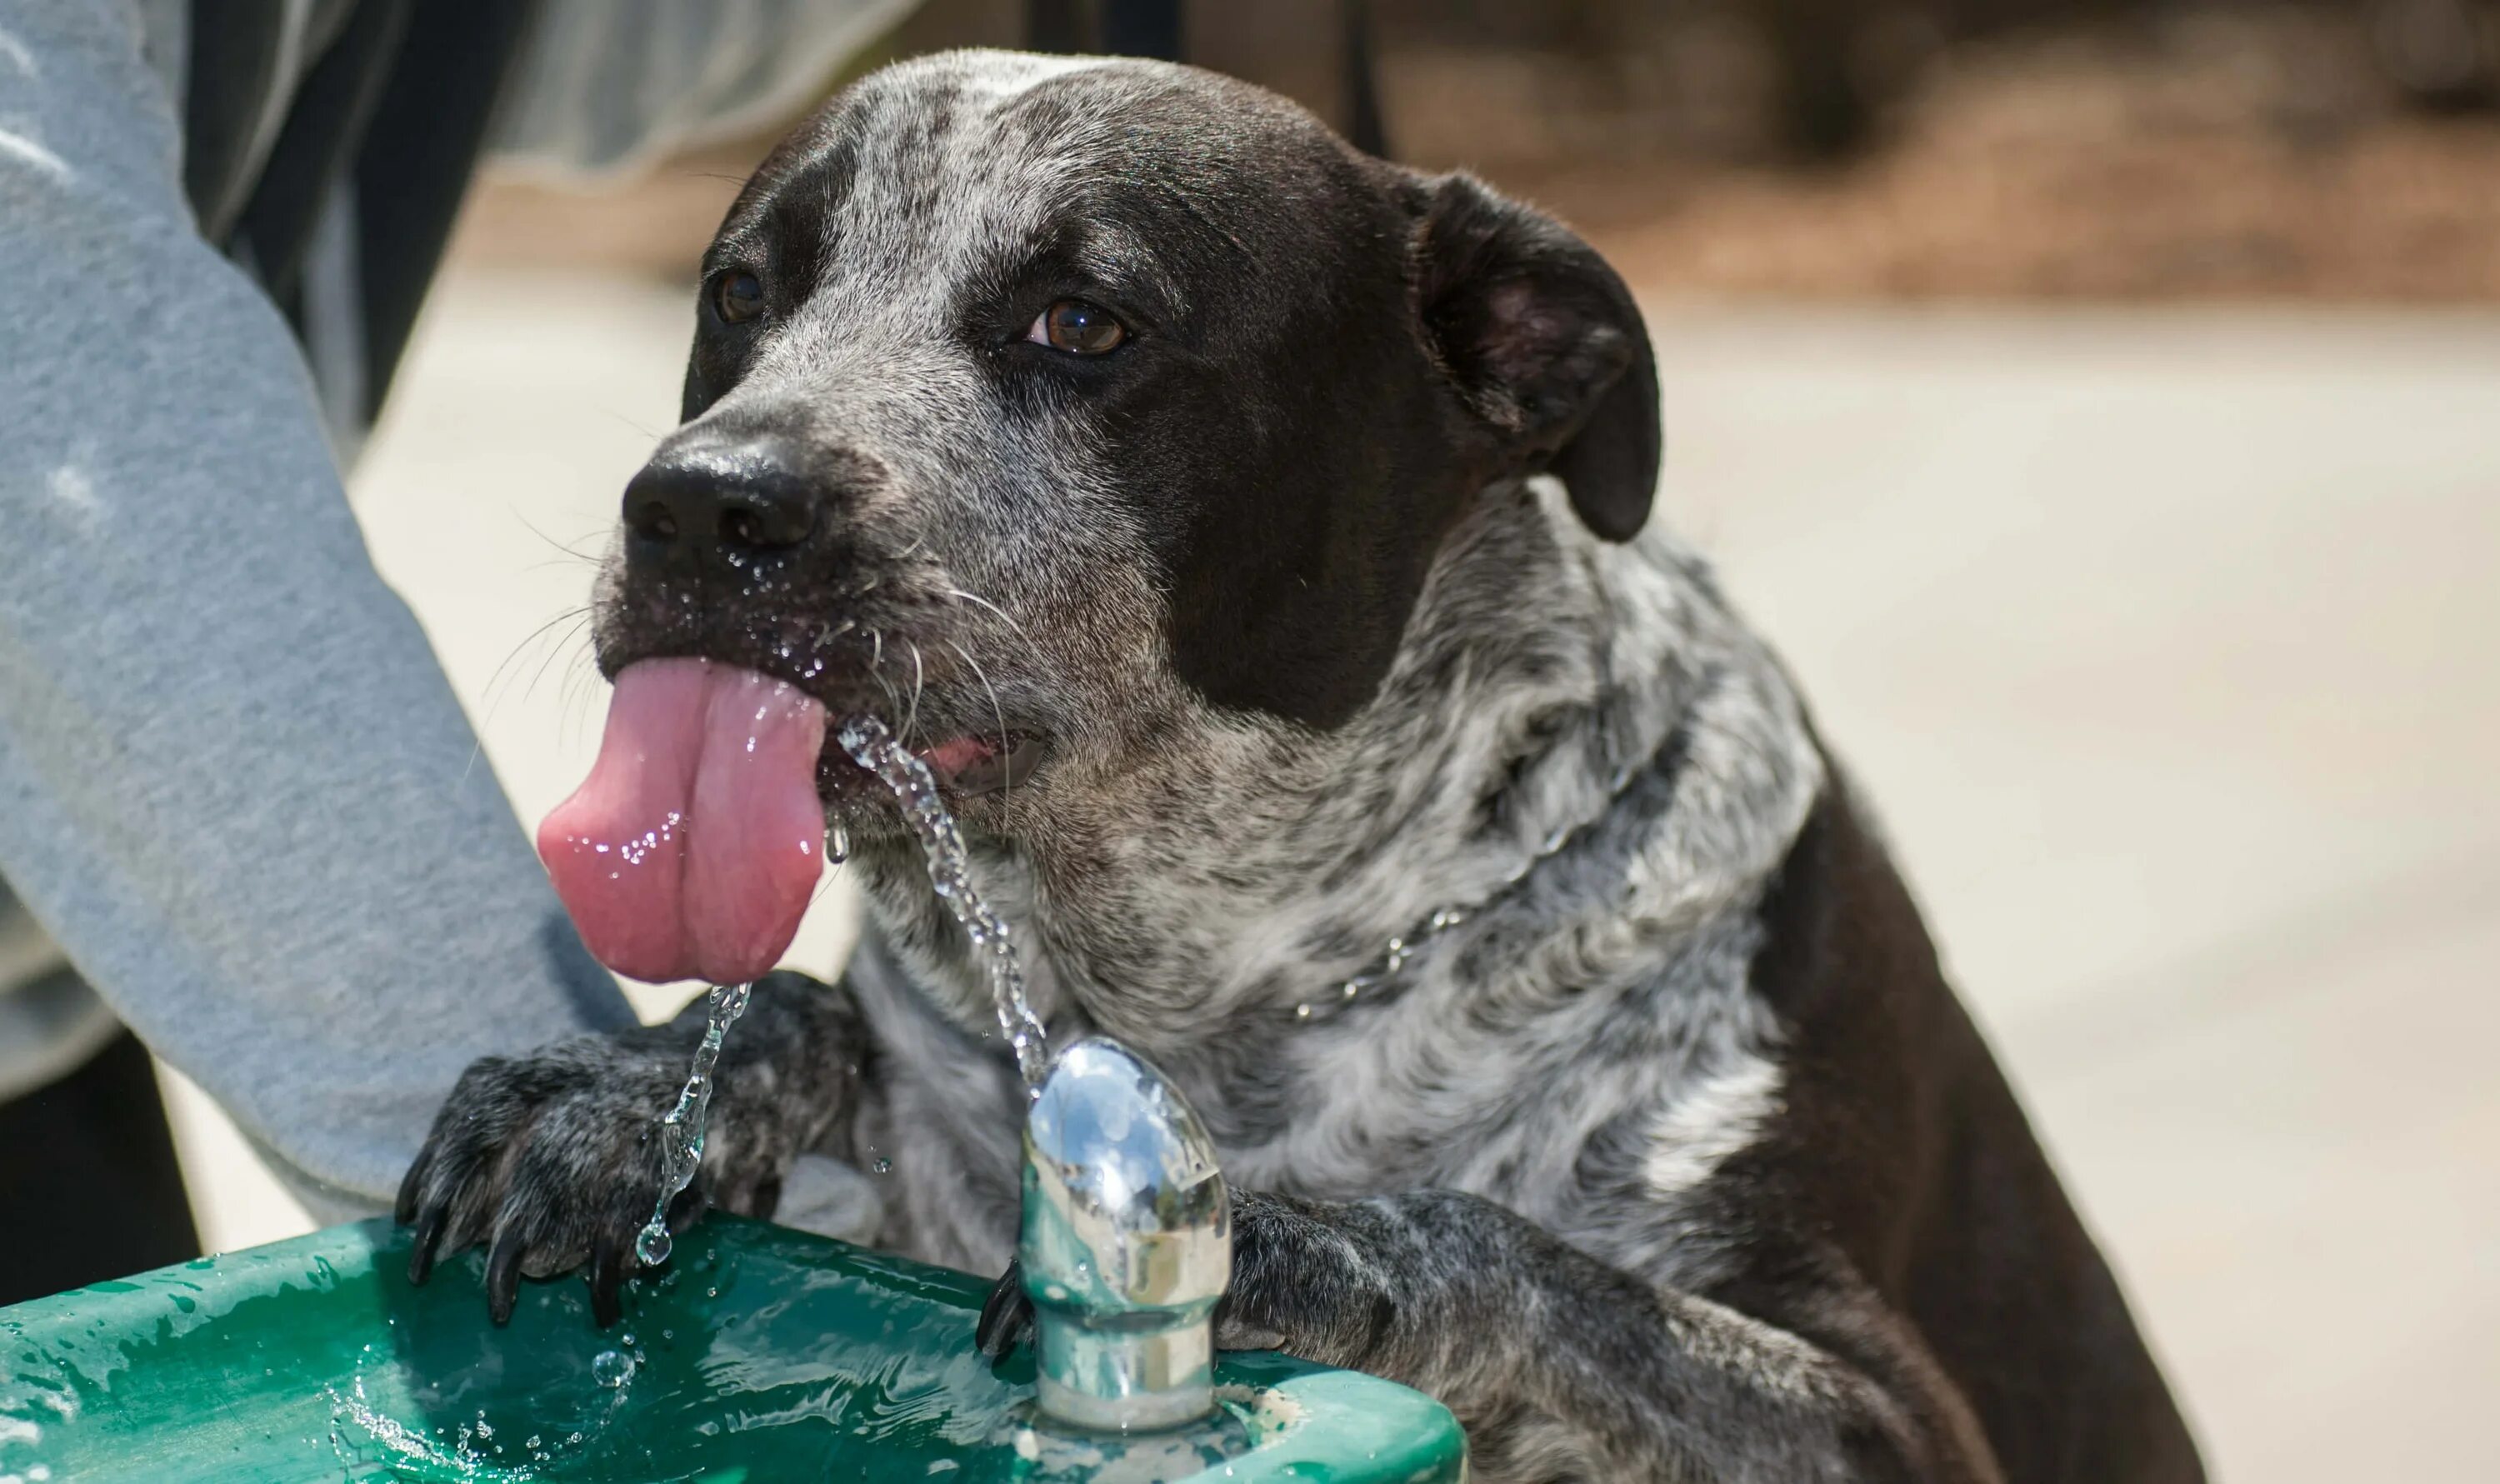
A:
[89,1185]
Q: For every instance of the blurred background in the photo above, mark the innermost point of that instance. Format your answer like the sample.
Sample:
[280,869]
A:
[2099,402]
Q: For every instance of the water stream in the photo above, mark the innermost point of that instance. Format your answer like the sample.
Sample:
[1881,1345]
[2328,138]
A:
[876,749]
[681,1131]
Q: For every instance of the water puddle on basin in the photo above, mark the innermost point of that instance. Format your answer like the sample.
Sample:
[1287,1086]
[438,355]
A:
[876,749]
[370,1427]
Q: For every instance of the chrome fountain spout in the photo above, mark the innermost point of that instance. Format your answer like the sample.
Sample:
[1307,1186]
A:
[1127,1243]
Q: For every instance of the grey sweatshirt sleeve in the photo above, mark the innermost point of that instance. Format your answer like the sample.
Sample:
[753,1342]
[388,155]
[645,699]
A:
[606,86]
[233,785]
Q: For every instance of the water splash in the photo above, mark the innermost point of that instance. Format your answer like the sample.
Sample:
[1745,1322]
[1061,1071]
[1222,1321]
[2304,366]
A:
[469,1455]
[875,749]
[681,1131]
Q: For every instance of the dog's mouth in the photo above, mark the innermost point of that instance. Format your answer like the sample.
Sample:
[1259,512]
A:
[695,846]
[969,766]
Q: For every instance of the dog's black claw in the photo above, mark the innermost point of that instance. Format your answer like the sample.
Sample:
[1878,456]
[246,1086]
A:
[606,1278]
[504,1276]
[421,1252]
[1007,1319]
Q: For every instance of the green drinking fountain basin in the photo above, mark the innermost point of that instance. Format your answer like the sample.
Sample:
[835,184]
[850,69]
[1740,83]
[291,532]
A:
[760,1355]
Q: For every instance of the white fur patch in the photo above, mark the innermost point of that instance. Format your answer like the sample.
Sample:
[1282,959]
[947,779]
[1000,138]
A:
[1712,1122]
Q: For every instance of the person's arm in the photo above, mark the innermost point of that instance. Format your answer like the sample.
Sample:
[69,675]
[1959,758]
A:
[607,87]
[234,784]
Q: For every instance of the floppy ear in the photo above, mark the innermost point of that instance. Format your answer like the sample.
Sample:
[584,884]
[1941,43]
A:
[1546,349]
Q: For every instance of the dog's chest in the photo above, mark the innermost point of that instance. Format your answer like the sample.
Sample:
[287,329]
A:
[1597,1109]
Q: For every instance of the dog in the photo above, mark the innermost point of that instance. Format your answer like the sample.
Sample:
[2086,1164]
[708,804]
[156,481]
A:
[1255,537]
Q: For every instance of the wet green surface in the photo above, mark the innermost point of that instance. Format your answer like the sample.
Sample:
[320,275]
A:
[760,1355]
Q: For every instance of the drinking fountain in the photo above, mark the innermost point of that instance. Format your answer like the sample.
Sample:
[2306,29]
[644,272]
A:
[758,1353]
[1126,1244]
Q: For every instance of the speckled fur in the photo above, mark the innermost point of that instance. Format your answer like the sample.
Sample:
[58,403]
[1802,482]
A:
[1537,1174]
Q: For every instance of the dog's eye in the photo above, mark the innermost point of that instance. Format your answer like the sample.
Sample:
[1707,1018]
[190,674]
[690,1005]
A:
[1077,327]
[738,295]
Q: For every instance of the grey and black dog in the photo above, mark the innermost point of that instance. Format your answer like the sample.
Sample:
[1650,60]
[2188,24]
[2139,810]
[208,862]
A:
[1262,530]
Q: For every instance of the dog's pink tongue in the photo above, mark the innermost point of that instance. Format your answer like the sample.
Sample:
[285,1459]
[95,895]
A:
[692,849]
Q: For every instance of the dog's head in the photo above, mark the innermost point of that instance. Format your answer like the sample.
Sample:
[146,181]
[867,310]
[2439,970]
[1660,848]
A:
[1036,402]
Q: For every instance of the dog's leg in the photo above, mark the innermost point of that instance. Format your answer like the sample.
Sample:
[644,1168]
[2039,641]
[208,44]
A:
[1563,1368]
[1566,1369]
[550,1157]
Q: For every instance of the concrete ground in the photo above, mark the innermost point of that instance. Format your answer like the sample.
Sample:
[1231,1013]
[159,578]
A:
[2167,643]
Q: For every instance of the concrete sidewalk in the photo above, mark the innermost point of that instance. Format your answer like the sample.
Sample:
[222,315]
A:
[2167,645]
[2169,648]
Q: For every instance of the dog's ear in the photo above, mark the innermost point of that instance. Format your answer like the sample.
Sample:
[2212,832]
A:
[1545,347]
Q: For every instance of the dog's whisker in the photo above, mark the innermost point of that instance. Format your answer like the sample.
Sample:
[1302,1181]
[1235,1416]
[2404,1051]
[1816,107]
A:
[998,714]
[574,552]
[825,883]
[580,688]
[554,649]
[635,423]
[919,678]
[876,669]
[576,616]
[979,601]
[579,617]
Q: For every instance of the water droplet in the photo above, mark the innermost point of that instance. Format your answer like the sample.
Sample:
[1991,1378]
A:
[611,1369]
[837,842]
[1301,1012]
[883,1166]
[681,1128]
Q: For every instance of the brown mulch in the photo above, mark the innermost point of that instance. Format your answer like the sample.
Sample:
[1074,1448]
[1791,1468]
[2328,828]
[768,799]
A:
[2078,178]
[2231,165]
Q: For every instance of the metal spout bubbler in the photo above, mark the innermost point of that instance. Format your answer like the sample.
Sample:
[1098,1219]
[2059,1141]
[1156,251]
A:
[1127,1243]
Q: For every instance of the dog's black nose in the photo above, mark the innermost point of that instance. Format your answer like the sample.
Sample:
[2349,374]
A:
[709,500]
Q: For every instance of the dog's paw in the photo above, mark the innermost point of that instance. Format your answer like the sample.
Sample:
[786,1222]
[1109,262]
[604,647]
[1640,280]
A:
[554,1160]
[1299,1284]
[1339,1282]
[1281,1273]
